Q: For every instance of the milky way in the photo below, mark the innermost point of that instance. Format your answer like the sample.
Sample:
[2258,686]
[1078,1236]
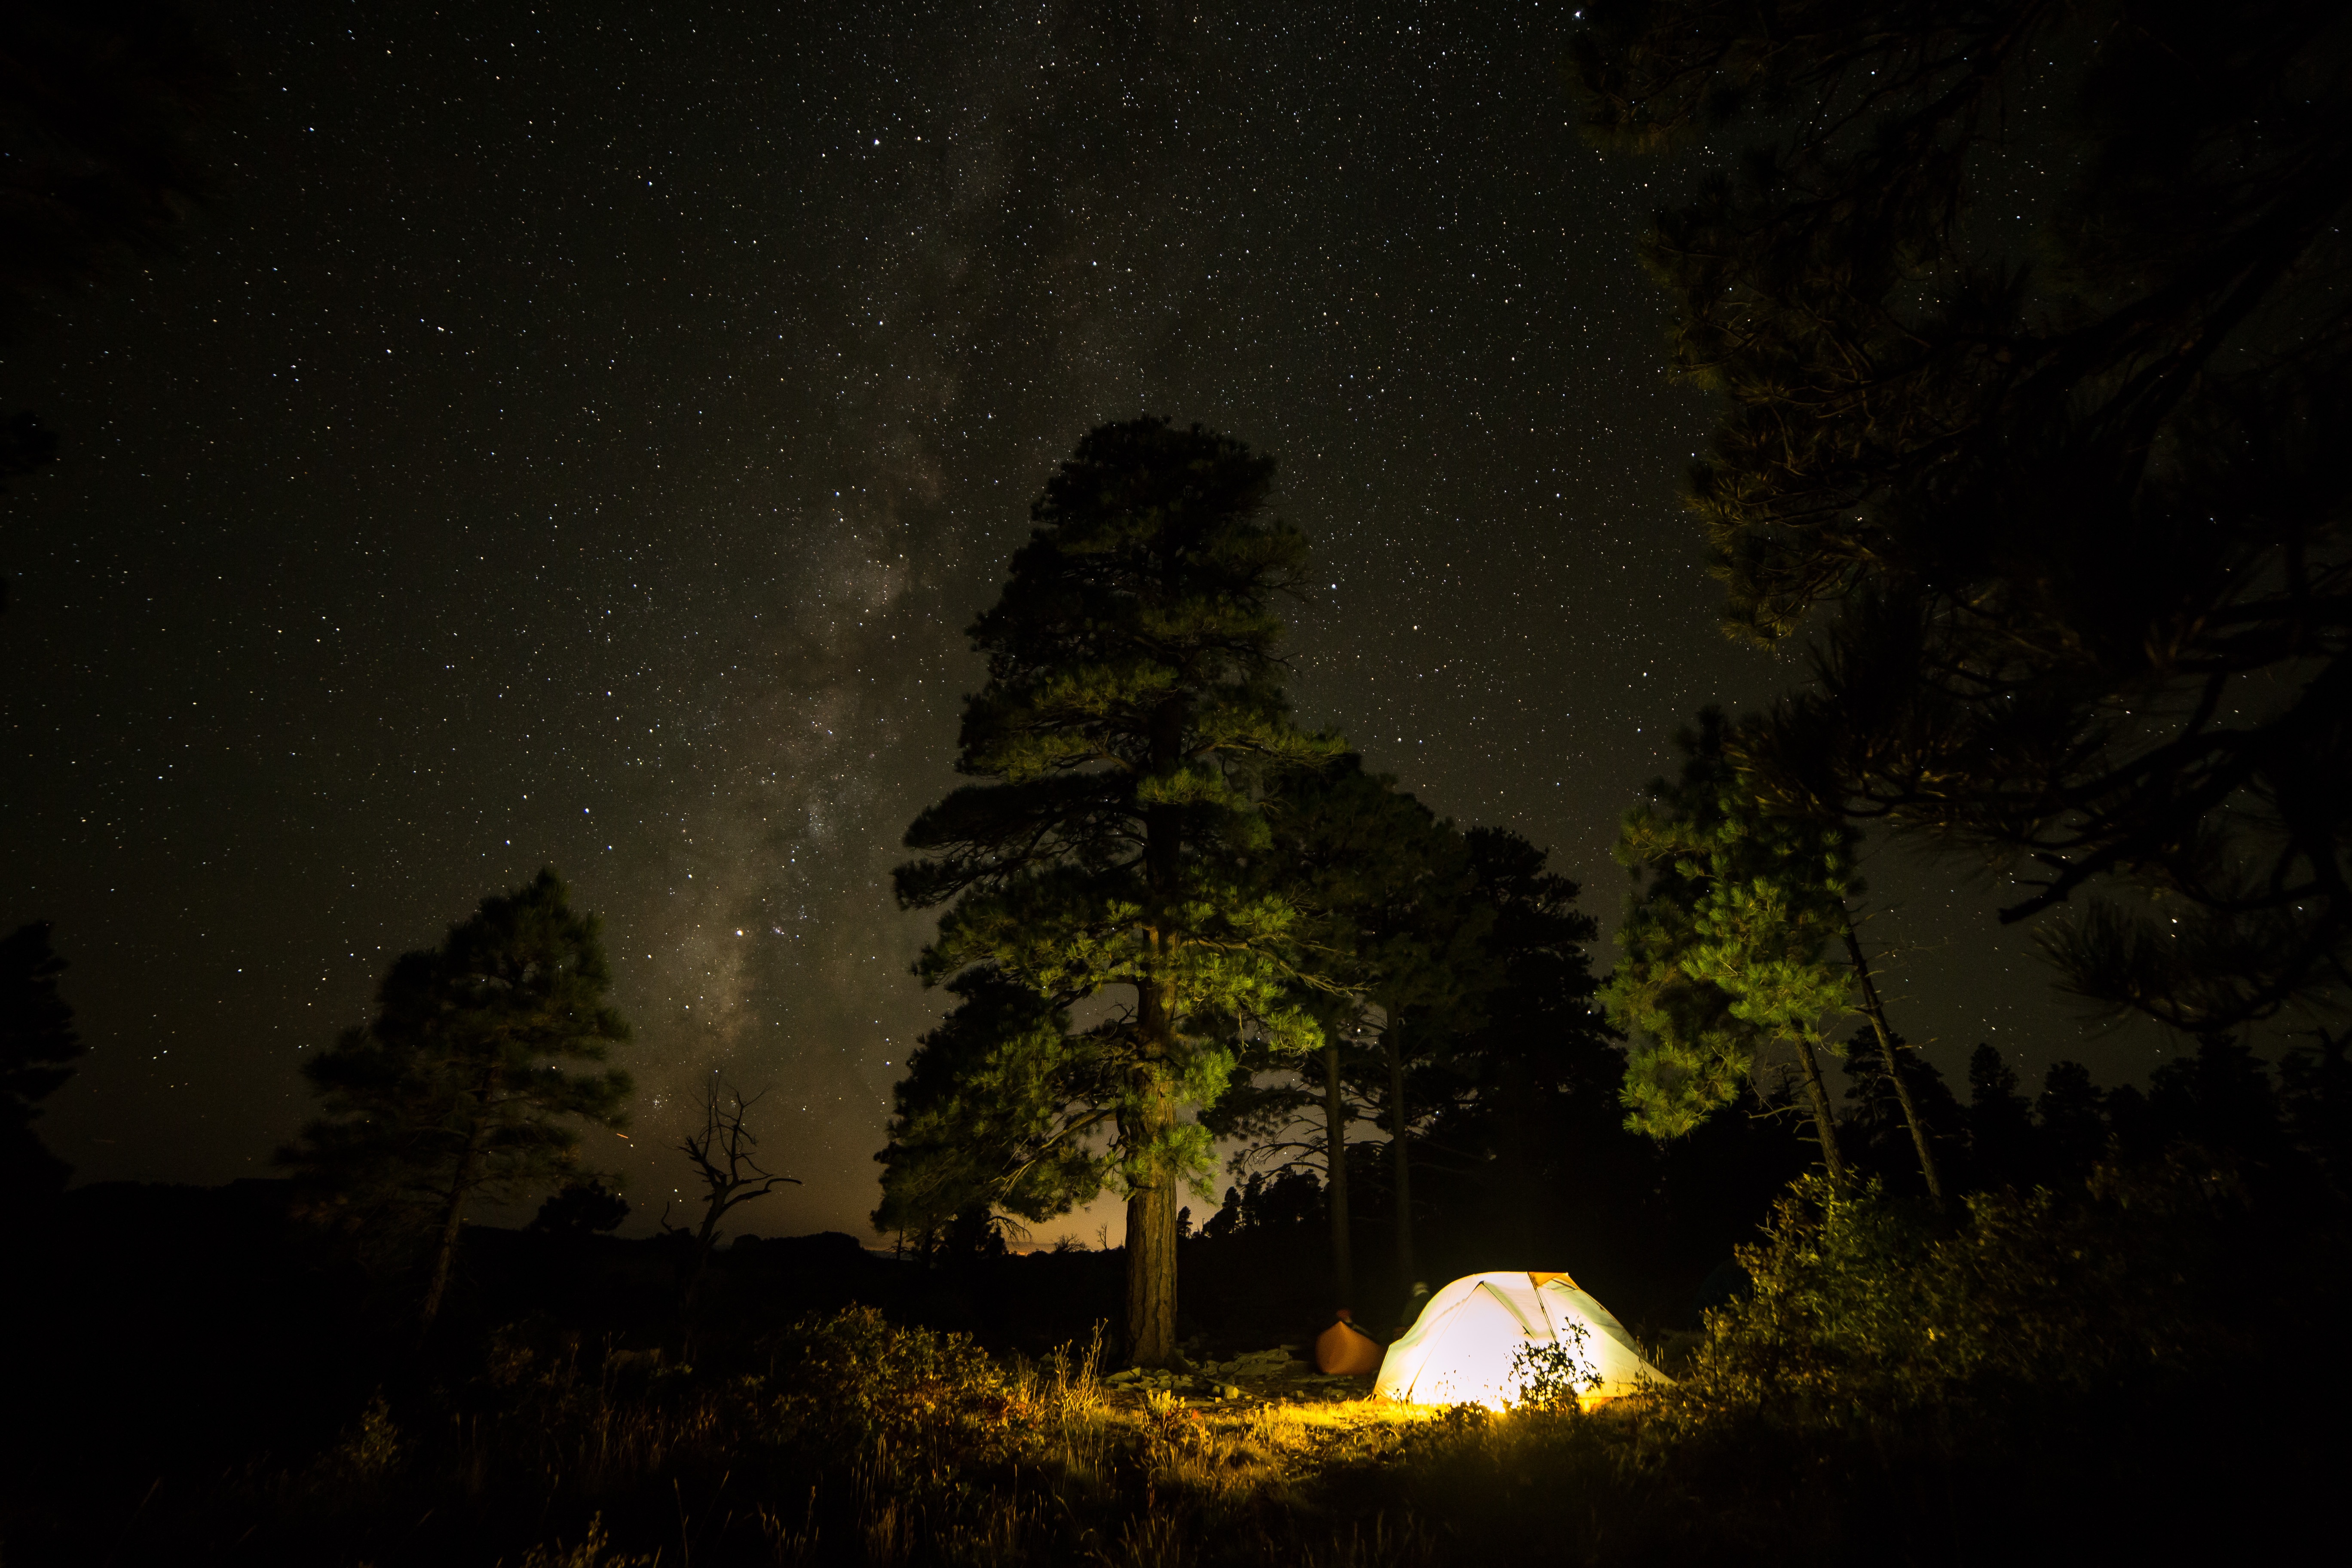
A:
[571,439]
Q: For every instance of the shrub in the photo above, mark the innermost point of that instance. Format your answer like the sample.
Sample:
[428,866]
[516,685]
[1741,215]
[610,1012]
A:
[854,1378]
[1863,1310]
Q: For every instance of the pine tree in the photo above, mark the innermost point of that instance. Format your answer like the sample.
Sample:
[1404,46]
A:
[1535,1068]
[1383,892]
[1388,888]
[2001,1126]
[1729,949]
[36,1041]
[1721,944]
[2070,1122]
[2032,327]
[458,1088]
[1001,1109]
[1133,715]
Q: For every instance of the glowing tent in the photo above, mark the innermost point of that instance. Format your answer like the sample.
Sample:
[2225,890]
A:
[1460,1350]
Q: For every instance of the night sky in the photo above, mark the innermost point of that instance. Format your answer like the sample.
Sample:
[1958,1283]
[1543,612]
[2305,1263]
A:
[581,439]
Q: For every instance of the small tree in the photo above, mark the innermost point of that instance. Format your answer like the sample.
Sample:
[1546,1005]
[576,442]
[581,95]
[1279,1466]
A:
[1727,950]
[585,1205]
[36,1041]
[1133,712]
[458,1090]
[723,1153]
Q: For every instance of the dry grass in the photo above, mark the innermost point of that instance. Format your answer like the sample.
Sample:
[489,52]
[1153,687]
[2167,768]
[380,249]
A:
[864,1444]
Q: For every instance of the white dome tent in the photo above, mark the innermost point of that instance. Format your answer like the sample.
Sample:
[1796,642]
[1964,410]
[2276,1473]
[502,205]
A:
[1461,1348]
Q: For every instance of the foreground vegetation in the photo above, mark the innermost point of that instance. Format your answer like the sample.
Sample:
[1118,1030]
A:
[2094,1370]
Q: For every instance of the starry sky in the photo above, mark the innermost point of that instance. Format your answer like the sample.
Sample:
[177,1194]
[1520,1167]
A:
[580,436]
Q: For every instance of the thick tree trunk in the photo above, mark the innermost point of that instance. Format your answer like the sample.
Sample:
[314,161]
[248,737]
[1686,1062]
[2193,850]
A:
[1824,1127]
[1402,1160]
[1146,1126]
[1151,1230]
[1876,1012]
[453,1218]
[1335,1159]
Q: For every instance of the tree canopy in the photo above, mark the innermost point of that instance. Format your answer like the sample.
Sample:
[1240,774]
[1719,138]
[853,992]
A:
[2030,321]
[1725,941]
[1133,716]
[460,1088]
[36,1041]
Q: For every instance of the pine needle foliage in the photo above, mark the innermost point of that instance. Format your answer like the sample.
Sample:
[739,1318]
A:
[465,1084]
[1133,718]
[1862,1313]
[2033,327]
[1726,941]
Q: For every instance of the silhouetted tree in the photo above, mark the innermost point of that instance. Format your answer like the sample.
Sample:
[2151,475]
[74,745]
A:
[1133,711]
[2071,1116]
[1876,1128]
[2315,1094]
[583,1206]
[724,1153]
[458,1087]
[1533,1109]
[2069,485]
[2000,1122]
[1288,1117]
[37,1042]
[1383,892]
[2220,1097]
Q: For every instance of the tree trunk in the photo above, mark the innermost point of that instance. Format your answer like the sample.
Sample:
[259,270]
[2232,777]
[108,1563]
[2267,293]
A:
[1518,1154]
[1334,1158]
[452,1215]
[1145,1132]
[1876,1012]
[1151,1229]
[1823,1126]
[704,1243]
[1402,1160]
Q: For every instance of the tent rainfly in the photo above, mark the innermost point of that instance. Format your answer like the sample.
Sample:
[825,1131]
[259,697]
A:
[1461,1348]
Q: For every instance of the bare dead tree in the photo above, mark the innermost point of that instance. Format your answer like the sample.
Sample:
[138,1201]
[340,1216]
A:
[722,1152]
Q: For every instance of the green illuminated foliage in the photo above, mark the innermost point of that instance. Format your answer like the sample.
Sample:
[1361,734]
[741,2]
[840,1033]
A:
[1132,723]
[1858,1315]
[1726,941]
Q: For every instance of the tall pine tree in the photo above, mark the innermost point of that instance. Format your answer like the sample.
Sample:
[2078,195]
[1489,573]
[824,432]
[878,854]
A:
[1133,713]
